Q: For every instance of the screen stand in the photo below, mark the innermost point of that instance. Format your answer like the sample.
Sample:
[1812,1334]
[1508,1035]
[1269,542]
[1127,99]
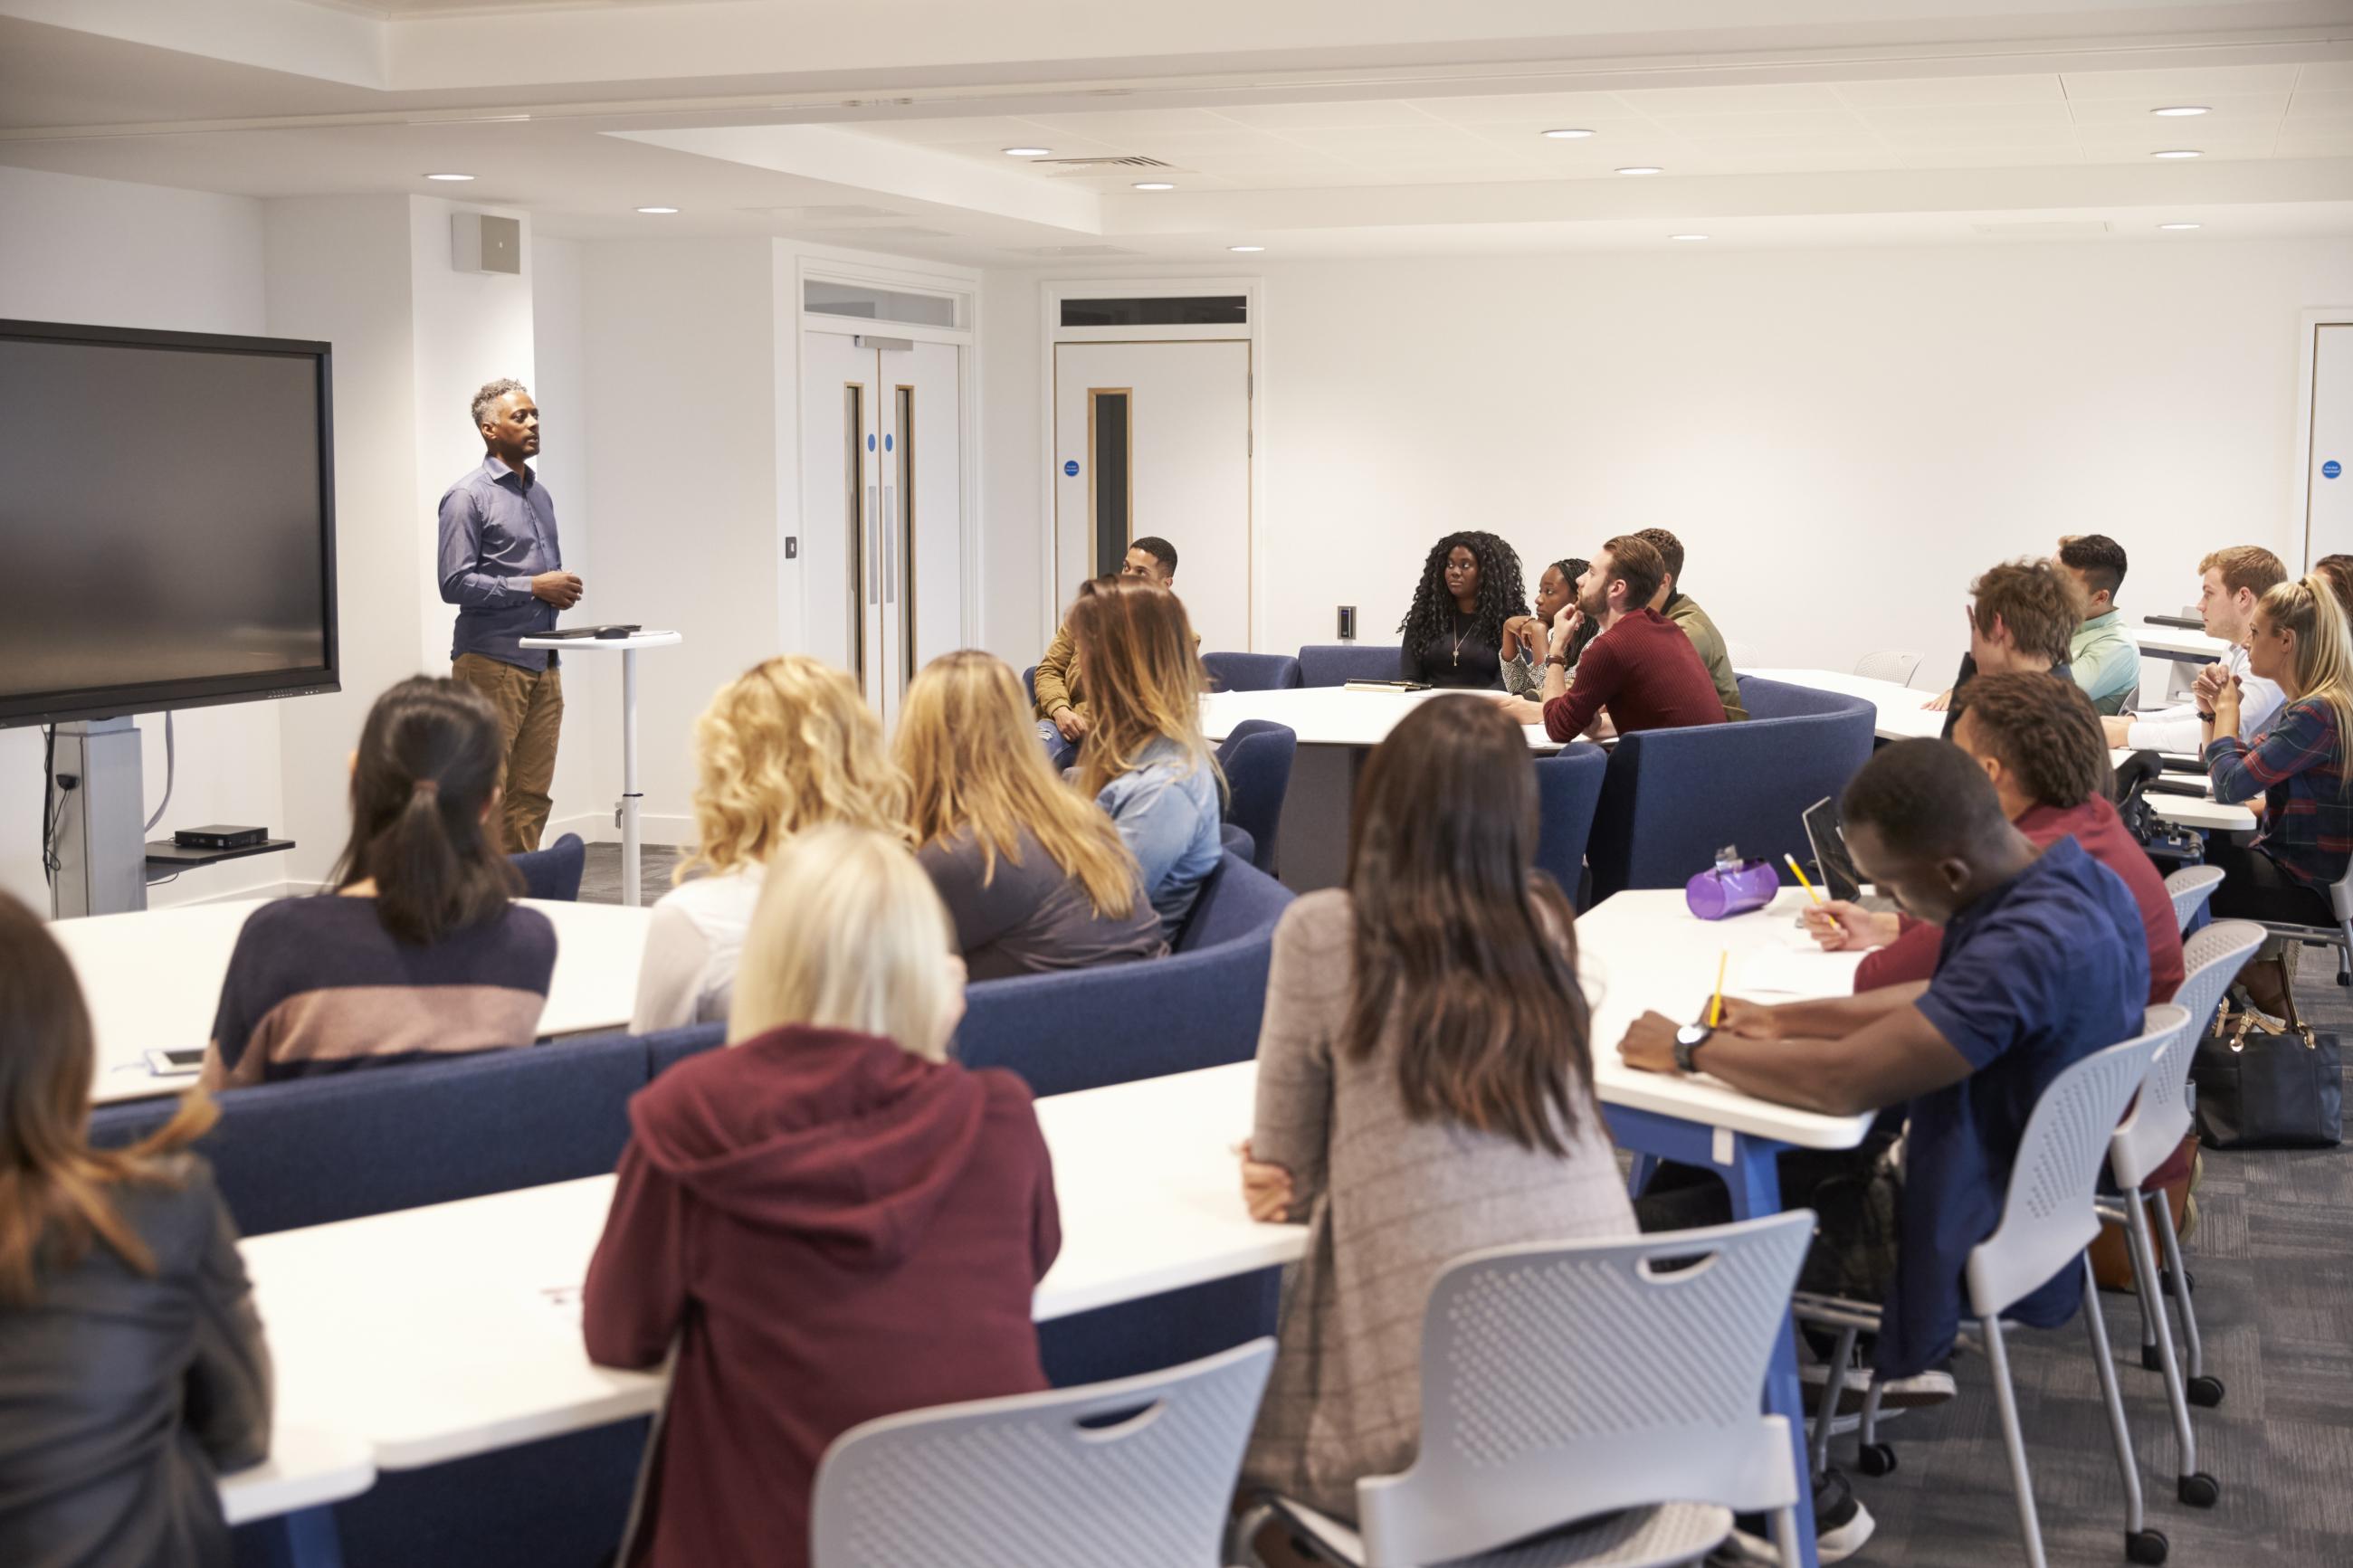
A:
[102,832]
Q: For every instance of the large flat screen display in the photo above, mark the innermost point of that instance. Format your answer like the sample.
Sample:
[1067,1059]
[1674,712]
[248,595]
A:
[167,521]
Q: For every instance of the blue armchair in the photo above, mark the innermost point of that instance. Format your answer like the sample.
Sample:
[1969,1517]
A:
[1256,759]
[1251,671]
[554,872]
[1568,790]
[1336,664]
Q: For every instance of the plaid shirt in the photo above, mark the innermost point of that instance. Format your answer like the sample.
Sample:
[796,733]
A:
[2299,766]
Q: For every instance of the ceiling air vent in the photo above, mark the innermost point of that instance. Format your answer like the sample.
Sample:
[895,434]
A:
[1124,163]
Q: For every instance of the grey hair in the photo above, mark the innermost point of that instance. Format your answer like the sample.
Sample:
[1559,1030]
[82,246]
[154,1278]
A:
[486,400]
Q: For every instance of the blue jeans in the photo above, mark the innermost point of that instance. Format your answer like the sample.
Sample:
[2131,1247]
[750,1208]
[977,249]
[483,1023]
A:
[1059,751]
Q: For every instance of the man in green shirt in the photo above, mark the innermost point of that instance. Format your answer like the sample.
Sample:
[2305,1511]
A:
[1680,607]
[2103,656]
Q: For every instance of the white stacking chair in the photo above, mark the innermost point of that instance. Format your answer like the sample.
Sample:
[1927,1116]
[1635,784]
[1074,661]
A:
[2190,888]
[2048,1218]
[1140,1470]
[1898,668]
[1554,1432]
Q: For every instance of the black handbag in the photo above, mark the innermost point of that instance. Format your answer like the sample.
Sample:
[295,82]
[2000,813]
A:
[2269,1092]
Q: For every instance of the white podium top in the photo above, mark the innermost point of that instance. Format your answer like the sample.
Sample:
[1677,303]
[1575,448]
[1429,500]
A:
[634,641]
[2178,643]
[1335,716]
[1901,715]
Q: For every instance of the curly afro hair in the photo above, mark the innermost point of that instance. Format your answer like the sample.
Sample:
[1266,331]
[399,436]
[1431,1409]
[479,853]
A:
[1501,593]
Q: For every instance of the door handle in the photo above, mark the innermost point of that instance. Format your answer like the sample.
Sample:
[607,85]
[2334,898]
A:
[890,548]
[873,547]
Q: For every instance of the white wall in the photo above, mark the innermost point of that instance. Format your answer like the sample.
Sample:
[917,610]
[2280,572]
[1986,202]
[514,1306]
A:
[121,255]
[584,799]
[1843,438]
[1013,492]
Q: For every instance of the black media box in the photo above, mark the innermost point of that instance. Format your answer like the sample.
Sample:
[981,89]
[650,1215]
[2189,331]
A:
[218,836]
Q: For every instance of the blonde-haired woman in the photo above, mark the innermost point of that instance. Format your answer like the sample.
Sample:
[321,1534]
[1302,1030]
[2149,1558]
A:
[1034,877]
[1143,760]
[829,1220]
[2299,639]
[785,746]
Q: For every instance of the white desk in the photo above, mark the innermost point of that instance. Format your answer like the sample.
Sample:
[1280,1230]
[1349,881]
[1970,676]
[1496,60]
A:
[152,979]
[2181,646]
[1902,716]
[308,1468]
[627,648]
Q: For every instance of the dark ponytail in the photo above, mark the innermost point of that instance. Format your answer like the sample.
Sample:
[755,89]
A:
[426,772]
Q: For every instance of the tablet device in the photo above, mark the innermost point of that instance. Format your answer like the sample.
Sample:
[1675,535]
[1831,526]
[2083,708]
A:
[176,1063]
[1839,878]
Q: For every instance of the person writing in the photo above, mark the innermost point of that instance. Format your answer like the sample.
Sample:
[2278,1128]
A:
[1640,673]
[1453,632]
[1526,638]
[2103,656]
[1680,607]
[2023,616]
[1035,877]
[1064,715]
[503,566]
[2229,584]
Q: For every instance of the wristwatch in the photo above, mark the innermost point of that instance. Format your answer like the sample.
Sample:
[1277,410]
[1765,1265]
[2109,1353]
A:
[1689,1038]
[1559,658]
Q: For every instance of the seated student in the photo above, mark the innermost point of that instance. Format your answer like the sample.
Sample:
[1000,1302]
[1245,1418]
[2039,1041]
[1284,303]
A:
[1640,673]
[2102,656]
[421,951]
[1034,877]
[2045,962]
[1424,1089]
[1144,759]
[829,1220]
[1453,632]
[2298,767]
[1064,715]
[1680,607]
[786,745]
[2339,571]
[130,1351]
[2039,741]
[2022,619]
[1526,636]
[2230,582]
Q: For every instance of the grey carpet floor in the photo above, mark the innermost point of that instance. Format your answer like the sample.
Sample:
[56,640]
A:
[600,882]
[2273,1259]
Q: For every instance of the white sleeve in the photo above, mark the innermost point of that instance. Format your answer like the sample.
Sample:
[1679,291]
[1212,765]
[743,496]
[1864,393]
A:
[2259,704]
[671,974]
[2174,730]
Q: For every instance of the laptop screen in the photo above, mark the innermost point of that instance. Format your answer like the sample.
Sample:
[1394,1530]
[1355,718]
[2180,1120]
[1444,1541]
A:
[1839,878]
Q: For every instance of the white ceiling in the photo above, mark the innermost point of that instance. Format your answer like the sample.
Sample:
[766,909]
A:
[1313,127]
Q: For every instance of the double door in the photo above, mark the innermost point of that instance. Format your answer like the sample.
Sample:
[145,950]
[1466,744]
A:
[882,455]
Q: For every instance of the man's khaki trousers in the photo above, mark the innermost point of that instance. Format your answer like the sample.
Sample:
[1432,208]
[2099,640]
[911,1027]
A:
[530,705]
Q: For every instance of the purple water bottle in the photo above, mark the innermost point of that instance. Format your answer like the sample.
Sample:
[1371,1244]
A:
[1732,885]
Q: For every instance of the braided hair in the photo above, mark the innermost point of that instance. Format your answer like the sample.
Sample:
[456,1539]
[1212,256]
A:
[1501,594]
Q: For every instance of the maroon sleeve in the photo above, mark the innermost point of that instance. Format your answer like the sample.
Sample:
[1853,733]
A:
[636,1294]
[1570,714]
[1911,956]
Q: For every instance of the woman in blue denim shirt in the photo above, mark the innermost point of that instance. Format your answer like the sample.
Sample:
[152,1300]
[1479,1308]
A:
[1144,761]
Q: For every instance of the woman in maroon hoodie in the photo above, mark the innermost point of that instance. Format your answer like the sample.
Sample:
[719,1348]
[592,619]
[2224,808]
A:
[829,1219]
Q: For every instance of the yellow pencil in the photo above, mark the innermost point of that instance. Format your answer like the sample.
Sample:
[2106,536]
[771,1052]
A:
[1716,1008]
[1800,870]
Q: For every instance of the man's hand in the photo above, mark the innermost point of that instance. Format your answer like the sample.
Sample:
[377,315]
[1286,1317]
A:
[2118,730]
[1266,1189]
[1939,702]
[1565,627]
[1753,1019]
[1650,1043]
[561,589]
[1071,723]
[1841,927]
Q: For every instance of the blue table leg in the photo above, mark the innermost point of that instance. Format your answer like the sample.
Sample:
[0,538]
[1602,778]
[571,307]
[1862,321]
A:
[304,1539]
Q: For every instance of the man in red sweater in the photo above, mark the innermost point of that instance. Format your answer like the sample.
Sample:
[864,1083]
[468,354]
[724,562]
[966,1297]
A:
[1641,672]
[2039,740]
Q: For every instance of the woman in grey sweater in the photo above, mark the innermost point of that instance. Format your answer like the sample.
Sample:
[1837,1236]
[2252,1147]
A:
[1442,1105]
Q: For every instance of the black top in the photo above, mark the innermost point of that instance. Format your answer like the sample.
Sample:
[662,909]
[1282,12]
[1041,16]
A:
[1455,657]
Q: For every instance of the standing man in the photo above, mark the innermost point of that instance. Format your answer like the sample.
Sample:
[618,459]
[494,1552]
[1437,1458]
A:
[504,568]
[1062,717]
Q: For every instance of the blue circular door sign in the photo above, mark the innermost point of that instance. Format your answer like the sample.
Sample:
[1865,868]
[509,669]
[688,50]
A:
[869,443]
[1071,468]
[886,443]
[2331,469]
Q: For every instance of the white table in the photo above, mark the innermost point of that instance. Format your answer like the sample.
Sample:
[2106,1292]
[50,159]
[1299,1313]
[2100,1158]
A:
[308,1468]
[1902,713]
[2180,645]
[152,979]
[1337,727]
[627,648]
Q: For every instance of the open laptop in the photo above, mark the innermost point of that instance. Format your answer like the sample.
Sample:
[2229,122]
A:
[1839,878]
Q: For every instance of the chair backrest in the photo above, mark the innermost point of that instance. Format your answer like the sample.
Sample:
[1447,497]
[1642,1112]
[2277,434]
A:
[2190,888]
[1336,664]
[1546,1399]
[2047,1218]
[1140,1472]
[1895,666]
[1030,683]
[2160,1117]
[1568,789]
[554,872]
[1251,671]
[667,1048]
[1256,757]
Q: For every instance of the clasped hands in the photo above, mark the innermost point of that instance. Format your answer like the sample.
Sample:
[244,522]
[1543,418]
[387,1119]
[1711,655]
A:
[1649,1042]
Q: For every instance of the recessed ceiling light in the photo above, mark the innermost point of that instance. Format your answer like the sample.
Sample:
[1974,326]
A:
[1566,136]
[657,211]
[2177,228]
[1246,248]
[1154,186]
[2176,152]
[1027,152]
[1686,237]
[1641,169]
[2180,111]
[449,176]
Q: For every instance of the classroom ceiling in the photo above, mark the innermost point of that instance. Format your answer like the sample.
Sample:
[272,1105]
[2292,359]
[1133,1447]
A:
[1310,127]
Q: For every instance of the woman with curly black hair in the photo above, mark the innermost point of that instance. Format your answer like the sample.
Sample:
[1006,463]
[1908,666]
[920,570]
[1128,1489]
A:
[1454,633]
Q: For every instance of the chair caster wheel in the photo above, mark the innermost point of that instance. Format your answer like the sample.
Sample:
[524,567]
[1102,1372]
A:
[1876,1459]
[2145,1546]
[2150,1359]
[2206,1392]
[2200,1491]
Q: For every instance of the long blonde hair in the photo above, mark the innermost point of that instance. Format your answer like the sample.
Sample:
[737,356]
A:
[2308,608]
[850,934]
[973,762]
[1145,678]
[786,745]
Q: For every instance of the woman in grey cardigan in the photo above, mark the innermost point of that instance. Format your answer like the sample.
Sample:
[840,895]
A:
[1443,1106]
